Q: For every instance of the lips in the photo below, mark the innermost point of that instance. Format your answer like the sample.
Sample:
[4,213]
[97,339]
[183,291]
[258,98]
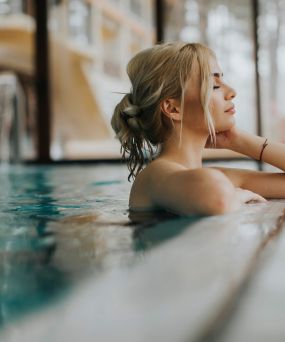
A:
[231,110]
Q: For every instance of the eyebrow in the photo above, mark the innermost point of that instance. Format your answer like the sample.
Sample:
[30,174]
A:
[217,74]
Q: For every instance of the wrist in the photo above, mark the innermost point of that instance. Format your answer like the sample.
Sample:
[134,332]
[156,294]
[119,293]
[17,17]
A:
[240,141]
[249,144]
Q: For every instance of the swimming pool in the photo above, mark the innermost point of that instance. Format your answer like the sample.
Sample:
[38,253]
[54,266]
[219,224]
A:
[59,224]
[74,267]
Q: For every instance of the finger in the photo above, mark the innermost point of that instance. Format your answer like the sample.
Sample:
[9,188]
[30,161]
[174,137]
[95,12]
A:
[257,198]
[250,196]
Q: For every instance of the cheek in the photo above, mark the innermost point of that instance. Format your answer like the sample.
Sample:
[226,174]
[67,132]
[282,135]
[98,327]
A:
[215,106]
[217,111]
[222,120]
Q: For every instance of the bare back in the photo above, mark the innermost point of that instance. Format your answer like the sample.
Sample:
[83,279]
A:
[147,182]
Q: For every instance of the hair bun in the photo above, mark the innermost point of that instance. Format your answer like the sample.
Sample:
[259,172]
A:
[133,123]
[131,111]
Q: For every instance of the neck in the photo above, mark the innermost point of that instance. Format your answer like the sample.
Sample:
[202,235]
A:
[189,152]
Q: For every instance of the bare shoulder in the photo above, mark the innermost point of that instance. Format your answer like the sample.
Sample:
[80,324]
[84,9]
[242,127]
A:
[149,177]
[171,186]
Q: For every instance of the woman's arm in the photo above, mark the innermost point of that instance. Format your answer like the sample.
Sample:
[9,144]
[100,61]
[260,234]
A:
[251,145]
[198,191]
[267,184]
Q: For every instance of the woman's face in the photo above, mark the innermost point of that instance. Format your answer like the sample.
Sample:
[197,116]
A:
[221,104]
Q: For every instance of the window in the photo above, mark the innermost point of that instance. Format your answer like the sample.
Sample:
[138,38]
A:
[227,27]
[91,43]
[271,24]
[17,82]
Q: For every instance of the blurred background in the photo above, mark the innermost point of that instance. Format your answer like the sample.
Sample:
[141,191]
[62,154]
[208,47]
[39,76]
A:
[63,62]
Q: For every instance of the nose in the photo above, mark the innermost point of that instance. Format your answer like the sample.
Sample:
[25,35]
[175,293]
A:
[230,93]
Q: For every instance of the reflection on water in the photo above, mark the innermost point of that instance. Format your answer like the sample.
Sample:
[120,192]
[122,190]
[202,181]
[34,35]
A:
[148,237]
[59,224]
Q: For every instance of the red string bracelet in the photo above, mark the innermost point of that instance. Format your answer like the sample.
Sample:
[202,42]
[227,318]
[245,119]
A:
[263,147]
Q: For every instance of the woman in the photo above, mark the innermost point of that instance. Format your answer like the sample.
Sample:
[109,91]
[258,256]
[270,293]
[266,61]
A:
[179,103]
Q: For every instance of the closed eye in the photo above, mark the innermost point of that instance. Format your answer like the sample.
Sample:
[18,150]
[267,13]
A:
[216,87]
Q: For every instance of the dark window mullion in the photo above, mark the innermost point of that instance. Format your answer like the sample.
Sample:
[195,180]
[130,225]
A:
[159,20]
[42,81]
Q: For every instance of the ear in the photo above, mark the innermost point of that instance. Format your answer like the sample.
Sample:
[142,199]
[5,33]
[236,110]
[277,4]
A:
[171,108]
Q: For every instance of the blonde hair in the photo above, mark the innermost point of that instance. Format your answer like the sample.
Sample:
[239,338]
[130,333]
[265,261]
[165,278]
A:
[156,74]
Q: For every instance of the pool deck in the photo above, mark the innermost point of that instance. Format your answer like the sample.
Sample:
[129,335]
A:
[221,279]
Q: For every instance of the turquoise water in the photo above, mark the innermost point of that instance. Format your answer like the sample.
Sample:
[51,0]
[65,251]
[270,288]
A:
[59,224]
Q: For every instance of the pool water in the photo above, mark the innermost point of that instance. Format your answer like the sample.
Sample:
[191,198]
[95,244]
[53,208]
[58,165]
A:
[60,224]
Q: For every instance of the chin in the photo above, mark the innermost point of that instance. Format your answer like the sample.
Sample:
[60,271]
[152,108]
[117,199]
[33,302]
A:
[226,124]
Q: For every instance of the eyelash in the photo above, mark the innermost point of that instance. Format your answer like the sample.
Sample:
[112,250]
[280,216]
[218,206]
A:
[216,87]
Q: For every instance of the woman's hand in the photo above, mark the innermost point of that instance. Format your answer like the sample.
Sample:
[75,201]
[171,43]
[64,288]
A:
[243,196]
[247,196]
[227,139]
